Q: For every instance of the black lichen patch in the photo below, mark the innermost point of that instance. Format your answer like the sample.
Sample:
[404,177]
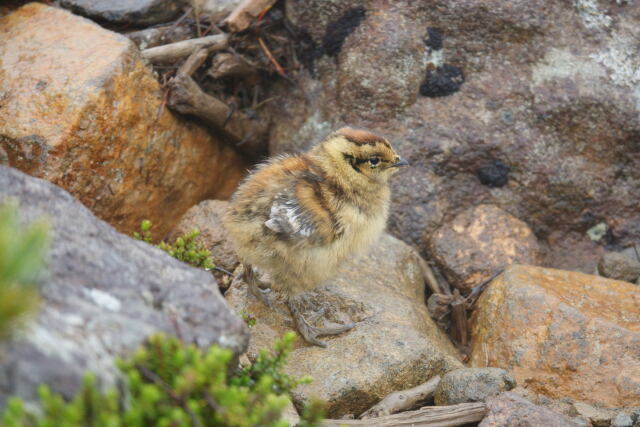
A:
[308,51]
[495,174]
[339,30]
[434,38]
[442,81]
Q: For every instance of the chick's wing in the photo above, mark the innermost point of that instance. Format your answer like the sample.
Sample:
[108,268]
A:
[300,214]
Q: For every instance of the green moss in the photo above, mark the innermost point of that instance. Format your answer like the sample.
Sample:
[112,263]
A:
[186,248]
[169,383]
[22,257]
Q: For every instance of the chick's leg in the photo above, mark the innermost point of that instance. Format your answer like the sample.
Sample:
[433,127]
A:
[311,333]
[254,286]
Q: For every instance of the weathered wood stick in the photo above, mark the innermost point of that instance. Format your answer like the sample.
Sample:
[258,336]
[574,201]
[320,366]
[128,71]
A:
[193,62]
[460,321]
[432,282]
[230,65]
[241,17]
[186,97]
[174,51]
[402,400]
[429,416]
[152,37]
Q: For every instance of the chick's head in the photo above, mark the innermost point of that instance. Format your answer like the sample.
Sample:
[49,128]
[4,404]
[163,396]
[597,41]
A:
[359,155]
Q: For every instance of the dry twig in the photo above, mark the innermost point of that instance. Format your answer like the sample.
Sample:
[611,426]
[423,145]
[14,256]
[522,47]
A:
[429,416]
[272,59]
[399,401]
[240,19]
[230,65]
[178,50]
[186,97]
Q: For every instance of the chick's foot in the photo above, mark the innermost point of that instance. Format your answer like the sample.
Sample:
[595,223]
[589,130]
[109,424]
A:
[264,295]
[311,333]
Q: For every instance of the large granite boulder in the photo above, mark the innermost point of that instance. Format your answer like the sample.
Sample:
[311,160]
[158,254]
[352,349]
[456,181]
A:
[562,334]
[79,108]
[528,105]
[103,294]
[394,346]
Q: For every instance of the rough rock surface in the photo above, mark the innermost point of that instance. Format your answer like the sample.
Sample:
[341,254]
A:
[472,385]
[206,217]
[622,419]
[620,266]
[509,409]
[394,346]
[79,108]
[216,9]
[133,12]
[103,294]
[550,92]
[479,243]
[597,416]
[562,334]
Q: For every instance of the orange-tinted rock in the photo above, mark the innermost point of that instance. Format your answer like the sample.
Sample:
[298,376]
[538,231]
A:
[480,242]
[562,334]
[79,108]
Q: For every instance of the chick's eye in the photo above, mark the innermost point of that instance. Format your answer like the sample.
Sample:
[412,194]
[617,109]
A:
[374,161]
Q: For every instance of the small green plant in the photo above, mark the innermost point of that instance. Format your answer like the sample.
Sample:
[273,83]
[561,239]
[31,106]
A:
[145,231]
[22,256]
[186,248]
[248,318]
[173,384]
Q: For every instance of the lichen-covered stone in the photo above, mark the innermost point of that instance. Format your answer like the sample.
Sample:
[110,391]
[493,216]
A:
[550,92]
[103,294]
[479,243]
[394,346]
[472,385]
[562,334]
[79,108]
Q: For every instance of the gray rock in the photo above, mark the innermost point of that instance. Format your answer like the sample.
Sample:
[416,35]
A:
[134,12]
[509,409]
[104,293]
[619,266]
[472,385]
[622,420]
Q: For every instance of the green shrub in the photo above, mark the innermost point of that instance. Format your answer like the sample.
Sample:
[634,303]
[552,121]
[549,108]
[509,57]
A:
[185,248]
[22,256]
[172,384]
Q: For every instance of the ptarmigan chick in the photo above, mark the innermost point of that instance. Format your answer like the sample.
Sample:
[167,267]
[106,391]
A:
[298,218]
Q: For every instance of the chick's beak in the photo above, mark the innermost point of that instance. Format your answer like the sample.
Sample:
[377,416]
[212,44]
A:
[401,162]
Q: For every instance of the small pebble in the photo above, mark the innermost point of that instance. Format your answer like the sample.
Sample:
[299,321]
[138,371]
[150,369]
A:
[622,420]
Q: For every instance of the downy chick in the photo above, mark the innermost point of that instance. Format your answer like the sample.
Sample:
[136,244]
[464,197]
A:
[299,217]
